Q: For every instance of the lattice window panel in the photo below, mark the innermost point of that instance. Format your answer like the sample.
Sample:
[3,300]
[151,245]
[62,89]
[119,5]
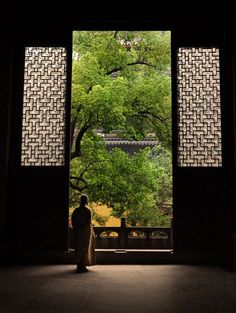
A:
[43,125]
[199,108]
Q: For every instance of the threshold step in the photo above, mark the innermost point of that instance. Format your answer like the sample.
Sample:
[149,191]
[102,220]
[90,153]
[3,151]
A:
[136,250]
[134,256]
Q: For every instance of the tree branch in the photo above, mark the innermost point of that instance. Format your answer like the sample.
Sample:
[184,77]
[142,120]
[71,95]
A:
[113,37]
[76,187]
[73,125]
[72,131]
[117,69]
[77,151]
[151,114]
[79,179]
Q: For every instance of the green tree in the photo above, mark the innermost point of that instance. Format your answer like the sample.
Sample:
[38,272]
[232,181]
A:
[120,81]
[127,184]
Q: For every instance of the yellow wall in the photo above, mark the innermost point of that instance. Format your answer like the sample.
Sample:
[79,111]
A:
[102,210]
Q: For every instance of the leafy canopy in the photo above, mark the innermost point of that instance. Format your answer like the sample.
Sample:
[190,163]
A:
[121,81]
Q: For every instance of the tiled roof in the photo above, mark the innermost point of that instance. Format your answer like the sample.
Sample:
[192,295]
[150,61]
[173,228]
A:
[116,142]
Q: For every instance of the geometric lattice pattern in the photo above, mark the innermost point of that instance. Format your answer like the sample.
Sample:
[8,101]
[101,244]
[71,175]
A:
[199,108]
[43,125]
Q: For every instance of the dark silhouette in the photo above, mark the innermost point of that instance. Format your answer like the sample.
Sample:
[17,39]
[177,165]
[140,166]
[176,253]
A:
[83,235]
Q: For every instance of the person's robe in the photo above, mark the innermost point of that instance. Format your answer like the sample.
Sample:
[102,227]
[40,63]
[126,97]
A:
[84,238]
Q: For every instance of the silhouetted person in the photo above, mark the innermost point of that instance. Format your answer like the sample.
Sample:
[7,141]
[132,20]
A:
[83,235]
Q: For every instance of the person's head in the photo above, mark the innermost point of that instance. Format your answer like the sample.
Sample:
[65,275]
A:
[83,199]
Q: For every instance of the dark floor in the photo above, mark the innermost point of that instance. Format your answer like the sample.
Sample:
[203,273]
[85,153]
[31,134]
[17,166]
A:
[117,289]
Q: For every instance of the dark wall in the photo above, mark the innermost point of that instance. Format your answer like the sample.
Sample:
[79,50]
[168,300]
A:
[202,214]
[5,98]
[34,201]
[37,196]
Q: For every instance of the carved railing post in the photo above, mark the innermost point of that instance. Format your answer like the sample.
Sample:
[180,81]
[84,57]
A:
[171,233]
[123,233]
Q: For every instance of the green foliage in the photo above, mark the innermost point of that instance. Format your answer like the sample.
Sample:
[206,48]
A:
[133,186]
[121,81]
[162,161]
[116,88]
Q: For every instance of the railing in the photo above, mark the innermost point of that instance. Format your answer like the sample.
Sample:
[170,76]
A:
[130,237]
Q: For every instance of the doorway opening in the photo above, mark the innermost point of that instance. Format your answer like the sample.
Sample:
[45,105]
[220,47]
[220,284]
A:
[121,136]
